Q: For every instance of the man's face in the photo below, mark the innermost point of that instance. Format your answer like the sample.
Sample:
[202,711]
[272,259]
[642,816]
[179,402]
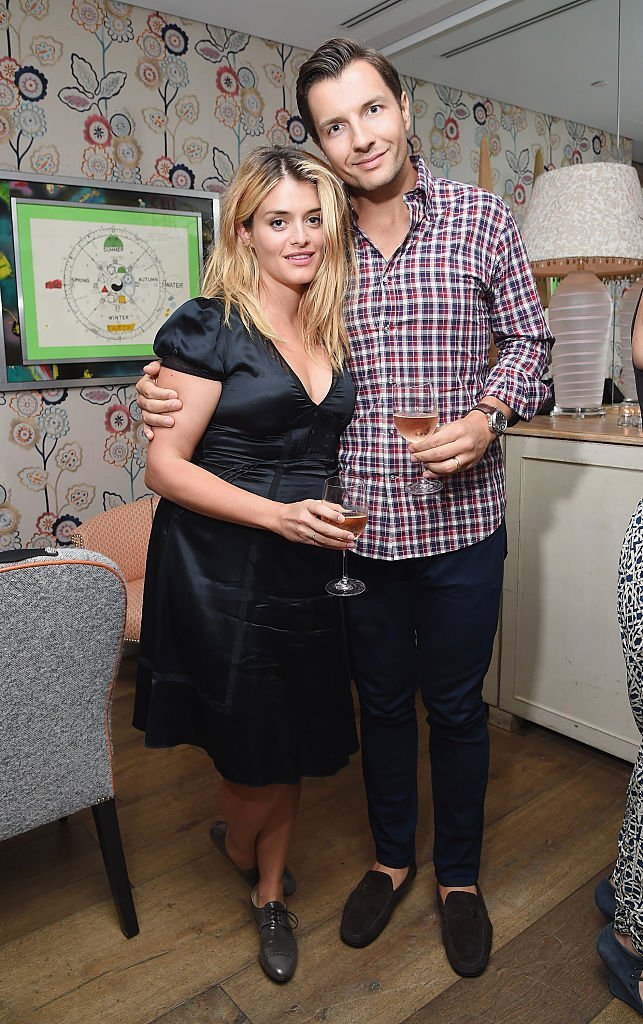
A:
[361,127]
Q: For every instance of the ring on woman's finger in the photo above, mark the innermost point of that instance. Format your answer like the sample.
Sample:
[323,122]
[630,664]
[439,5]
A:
[313,535]
[457,461]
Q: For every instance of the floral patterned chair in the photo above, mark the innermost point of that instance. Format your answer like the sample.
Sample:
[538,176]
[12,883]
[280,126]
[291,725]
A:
[123,534]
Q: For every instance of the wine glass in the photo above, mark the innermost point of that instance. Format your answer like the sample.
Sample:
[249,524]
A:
[415,414]
[350,494]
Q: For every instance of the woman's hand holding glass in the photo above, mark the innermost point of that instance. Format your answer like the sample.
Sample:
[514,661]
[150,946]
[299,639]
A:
[347,495]
[317,522]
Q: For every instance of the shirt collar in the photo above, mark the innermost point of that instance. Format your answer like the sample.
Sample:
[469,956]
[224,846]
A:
[419,197]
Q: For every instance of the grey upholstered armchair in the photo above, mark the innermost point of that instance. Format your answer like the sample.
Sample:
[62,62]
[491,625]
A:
[62,614]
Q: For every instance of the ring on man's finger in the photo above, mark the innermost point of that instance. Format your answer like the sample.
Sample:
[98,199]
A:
[313,535]
[457,461]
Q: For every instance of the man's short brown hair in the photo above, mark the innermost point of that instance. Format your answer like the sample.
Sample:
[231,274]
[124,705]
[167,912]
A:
[330,60]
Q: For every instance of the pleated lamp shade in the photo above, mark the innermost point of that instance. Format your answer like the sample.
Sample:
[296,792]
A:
[583,222]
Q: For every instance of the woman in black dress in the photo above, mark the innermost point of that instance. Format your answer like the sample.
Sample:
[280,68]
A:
[242,651]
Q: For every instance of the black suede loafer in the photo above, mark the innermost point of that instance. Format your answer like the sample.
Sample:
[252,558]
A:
[370,905]
[466,932]
[218,834]
[277,944]
[605,898]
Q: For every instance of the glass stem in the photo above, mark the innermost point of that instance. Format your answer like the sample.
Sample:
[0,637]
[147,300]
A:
[344,573]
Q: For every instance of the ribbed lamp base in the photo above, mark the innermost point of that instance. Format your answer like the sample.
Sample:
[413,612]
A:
[580,317]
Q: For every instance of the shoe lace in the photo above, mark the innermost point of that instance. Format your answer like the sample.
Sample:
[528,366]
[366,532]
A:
[275,914]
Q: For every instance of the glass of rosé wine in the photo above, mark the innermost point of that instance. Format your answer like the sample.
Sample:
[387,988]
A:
[415,414]
[349,494]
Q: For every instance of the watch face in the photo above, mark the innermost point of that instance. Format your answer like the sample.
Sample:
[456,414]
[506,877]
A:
[498,422]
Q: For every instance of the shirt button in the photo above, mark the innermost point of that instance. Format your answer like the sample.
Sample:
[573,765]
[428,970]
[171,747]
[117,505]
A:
[392,476]
[387,329]
[391,430]
[391,380]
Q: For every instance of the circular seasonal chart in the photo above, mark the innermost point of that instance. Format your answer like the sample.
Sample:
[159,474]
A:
[114,283]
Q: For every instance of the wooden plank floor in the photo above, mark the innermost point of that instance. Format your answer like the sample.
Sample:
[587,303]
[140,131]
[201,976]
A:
[553,811]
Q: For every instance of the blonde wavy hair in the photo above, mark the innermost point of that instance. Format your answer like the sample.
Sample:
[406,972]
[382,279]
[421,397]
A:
[232,271]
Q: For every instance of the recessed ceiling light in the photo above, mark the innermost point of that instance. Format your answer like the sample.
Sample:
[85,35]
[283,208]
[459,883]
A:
[598,84]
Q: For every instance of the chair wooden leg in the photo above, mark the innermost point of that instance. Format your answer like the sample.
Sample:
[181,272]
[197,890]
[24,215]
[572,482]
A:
[109,837]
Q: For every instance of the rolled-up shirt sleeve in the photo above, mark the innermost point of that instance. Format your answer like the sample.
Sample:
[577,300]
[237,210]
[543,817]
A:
[519,328]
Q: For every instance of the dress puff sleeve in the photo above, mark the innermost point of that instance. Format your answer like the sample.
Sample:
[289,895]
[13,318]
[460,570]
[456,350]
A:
[191,340]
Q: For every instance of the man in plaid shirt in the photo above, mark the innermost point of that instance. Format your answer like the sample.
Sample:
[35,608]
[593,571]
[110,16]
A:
[441,268]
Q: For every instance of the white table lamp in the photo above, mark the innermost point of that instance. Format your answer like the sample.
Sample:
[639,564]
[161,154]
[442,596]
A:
[583,223]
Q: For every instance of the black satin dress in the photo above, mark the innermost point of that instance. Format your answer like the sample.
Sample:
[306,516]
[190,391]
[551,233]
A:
[242,651]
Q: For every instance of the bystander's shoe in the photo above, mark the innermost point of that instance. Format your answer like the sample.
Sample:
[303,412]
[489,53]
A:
[218,833]
[623,968]
[605,898]
[466,931]
[277,944]
[370,905]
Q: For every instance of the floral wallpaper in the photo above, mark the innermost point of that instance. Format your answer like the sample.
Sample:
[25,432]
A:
[103,90]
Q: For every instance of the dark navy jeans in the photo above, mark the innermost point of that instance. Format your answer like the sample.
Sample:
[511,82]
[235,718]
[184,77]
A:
[426,623]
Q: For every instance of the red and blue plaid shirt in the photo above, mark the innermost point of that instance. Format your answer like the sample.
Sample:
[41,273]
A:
[460,275]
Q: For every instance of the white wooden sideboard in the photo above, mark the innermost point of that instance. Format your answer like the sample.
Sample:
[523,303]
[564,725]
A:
[571,488]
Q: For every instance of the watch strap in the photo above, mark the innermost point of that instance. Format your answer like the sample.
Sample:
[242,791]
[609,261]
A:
[486,407]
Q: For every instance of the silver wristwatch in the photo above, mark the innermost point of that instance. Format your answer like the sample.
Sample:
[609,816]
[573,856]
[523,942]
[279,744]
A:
[495,418]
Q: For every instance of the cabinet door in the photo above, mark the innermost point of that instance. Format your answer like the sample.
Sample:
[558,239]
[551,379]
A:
[568,505]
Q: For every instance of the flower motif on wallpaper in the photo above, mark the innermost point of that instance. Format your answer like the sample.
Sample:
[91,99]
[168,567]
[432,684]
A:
[181,176]
[6,128]
[239,105]
[9,96]
[80,496]
[125,446]
[97,131]
[512,118]
[119,29]
[578,145]
[33,478]
[445,151]
[22,119]
[64,528]
[515,193]
[9,522]
[163,69]
[275,74]
[31,83]
[117,419]
[488,126]
[36,8]
[24,433]
[96,163]
[46,50]
[196,149]
[88,14]
[118,450]
[40,424]
[551,139]
[9,67]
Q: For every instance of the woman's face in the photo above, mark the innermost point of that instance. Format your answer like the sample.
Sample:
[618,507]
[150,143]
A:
[287,236]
